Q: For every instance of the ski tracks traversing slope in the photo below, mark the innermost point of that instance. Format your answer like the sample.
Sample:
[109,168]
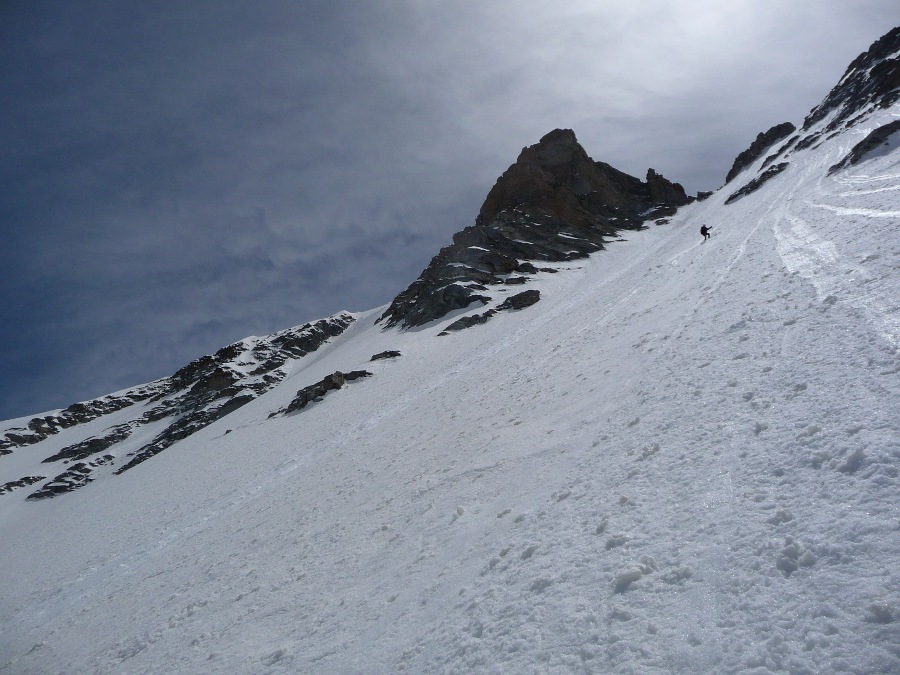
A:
[757,423]
[667,523]
[608,512]
[815,251]
[803,400]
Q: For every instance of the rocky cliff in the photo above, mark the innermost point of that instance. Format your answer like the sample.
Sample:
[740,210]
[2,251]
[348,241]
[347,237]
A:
[872,80]
[553,204]
[763,142]
[870,83]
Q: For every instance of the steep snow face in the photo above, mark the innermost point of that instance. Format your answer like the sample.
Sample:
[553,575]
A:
[683,459]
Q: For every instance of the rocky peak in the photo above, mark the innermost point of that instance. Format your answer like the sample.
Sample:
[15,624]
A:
[542,176]
[871,80]
[553,204]
[664,191]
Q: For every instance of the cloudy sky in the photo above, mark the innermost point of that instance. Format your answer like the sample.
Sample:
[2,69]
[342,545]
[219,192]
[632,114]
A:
[178,175]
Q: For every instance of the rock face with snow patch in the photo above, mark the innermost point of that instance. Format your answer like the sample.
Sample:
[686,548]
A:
[763,142]
[871,81]
[315,392]
[757,182]
[554,204]
[880,137]
[202,392]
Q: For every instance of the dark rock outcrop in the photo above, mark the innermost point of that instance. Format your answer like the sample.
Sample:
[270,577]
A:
[192,422]
[197,395]
[93,445]
[315,392]
[663,191]
[468,322]
[39,428]
[389,354]
[520,300]
[757,182]
[762,143]
[22,482]
[79,475]
[514,302]
[876,138]
[553,205]
[871,81]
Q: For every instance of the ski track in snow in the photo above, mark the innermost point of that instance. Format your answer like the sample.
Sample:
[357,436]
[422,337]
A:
[820,261]
[683,459]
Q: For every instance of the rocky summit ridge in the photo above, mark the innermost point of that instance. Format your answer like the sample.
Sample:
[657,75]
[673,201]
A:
[191,399]
[871,82]
[553,204]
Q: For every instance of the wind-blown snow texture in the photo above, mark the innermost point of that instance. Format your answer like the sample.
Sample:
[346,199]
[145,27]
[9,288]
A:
[683,459]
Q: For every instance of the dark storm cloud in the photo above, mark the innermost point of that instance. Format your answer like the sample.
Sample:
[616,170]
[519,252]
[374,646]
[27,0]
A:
[180,175]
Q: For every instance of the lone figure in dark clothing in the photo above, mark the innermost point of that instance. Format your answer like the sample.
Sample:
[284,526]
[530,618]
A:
[704,230]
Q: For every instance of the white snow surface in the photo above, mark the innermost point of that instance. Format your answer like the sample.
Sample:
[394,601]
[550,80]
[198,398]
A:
[683,459]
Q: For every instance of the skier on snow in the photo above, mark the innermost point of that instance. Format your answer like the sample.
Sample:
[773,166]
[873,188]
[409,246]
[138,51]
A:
[704,230]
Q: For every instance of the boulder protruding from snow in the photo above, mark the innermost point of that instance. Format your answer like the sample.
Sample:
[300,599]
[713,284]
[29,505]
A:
[389,354]
[316,391]
[520,300]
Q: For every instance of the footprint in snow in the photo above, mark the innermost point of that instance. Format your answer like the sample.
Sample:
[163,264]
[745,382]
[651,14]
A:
[625,578]
[528,552]
[648,451]
[793,556]
[615,541]
[796,390]
[781,516]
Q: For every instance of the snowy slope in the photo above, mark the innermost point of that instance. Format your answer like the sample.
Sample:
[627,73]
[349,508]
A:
[683,459]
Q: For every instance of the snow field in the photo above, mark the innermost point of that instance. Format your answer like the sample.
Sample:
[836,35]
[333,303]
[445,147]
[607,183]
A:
[683,459]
